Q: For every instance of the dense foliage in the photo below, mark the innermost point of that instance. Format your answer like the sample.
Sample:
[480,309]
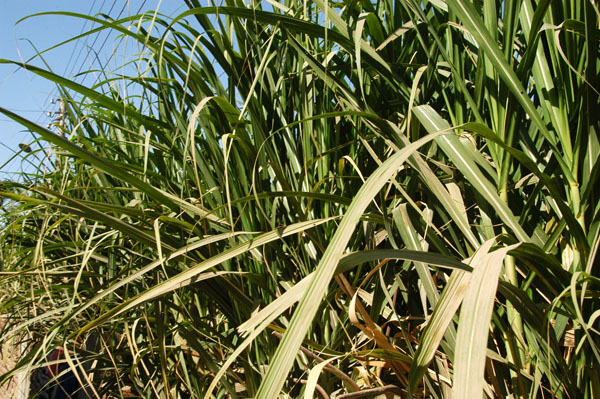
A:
[313,198]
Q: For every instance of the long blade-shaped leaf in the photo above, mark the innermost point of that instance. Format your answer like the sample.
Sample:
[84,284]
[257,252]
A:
[468,15]
[304,314]
[433,122]
[473,327]
[443,314]
[93,159]
[194,273]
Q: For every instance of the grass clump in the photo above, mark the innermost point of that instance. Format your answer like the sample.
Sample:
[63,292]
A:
[321,199]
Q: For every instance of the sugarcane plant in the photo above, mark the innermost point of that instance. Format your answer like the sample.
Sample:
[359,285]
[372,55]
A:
[319,199]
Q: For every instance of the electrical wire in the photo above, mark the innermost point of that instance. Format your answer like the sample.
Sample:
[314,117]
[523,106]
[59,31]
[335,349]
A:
[78,42]
[84,62]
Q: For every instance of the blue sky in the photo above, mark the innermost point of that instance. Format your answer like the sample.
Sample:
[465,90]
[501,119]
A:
[29,95]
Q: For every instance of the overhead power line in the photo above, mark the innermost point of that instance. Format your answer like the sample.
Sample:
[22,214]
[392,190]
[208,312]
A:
[85,63]
[78,42]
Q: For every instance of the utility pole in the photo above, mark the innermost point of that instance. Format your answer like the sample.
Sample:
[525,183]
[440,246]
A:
[60,115]
[58,121]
